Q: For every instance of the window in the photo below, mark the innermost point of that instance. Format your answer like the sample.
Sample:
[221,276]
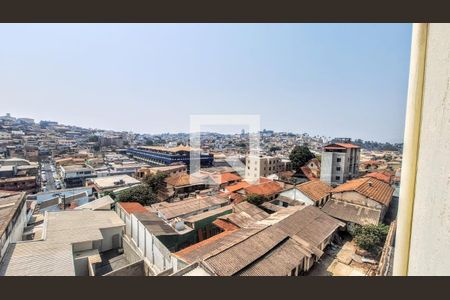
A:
[338,177]
[338,159]
[338,168]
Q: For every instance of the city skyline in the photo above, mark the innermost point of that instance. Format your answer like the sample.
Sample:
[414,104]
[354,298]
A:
[328,80]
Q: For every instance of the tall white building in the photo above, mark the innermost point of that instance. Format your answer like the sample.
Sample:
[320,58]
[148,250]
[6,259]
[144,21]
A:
[340,162]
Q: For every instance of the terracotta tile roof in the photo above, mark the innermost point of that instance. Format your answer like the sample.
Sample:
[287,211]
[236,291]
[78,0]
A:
[236,187]
[131,207]
[341,145]
[384,176]
[184,179]
[225,177]
[263,179]
[264,189]
[308,173]
[370,187]
[371,162]
[315,190]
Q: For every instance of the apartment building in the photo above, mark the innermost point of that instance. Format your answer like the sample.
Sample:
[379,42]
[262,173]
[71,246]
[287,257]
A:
[12,218]
[257,166]
[340,162]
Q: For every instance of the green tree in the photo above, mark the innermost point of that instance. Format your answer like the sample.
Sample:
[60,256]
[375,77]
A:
[256,199]
[299,156]
[371,237]
[155,182]
[141,193]
[149,143]
[146,193]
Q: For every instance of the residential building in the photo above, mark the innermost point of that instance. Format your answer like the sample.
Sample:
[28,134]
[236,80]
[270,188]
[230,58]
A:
[339,163]
[13,213]
[76,175]
[383,175]
[182,185]
[73,241]
[167,170]
[125,168]
[314,192]
[26,183]
[158,231]
[310,171]
[103,203]
[101,185]
[269,189]
[360,201]
[257,166]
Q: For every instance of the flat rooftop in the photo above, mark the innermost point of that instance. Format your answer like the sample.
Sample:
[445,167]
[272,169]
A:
[114,181]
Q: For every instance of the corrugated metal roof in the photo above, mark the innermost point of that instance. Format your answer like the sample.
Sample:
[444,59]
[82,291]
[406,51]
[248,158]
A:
[184,207]
[349,212]
[278,262]
[245,214]
[40,258]
[251,249]
[235,258]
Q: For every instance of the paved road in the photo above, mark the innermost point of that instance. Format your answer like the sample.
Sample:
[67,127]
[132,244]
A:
[49,175]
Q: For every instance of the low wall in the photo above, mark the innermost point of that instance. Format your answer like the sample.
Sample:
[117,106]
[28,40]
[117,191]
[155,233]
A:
[134,269]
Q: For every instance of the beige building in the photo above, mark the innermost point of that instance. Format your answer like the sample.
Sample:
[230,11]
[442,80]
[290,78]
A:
[167,170]
[257,166]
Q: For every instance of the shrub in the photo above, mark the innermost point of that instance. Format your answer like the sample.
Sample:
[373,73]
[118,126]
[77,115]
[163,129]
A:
[371,237]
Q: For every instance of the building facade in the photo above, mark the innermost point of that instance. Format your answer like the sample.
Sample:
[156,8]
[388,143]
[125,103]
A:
[257,166]
[166,156]
[340,162]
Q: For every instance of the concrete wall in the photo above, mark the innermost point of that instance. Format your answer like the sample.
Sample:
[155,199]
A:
[134,269]
[430,232]
[328,171]
[16,233]
[82,246]
[295,194]
[357,198]
[146,244]
[108,234]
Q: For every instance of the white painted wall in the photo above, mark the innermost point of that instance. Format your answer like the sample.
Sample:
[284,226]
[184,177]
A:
[430,233]
[295,194]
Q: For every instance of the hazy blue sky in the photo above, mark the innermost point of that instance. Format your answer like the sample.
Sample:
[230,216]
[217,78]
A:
[329,79]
